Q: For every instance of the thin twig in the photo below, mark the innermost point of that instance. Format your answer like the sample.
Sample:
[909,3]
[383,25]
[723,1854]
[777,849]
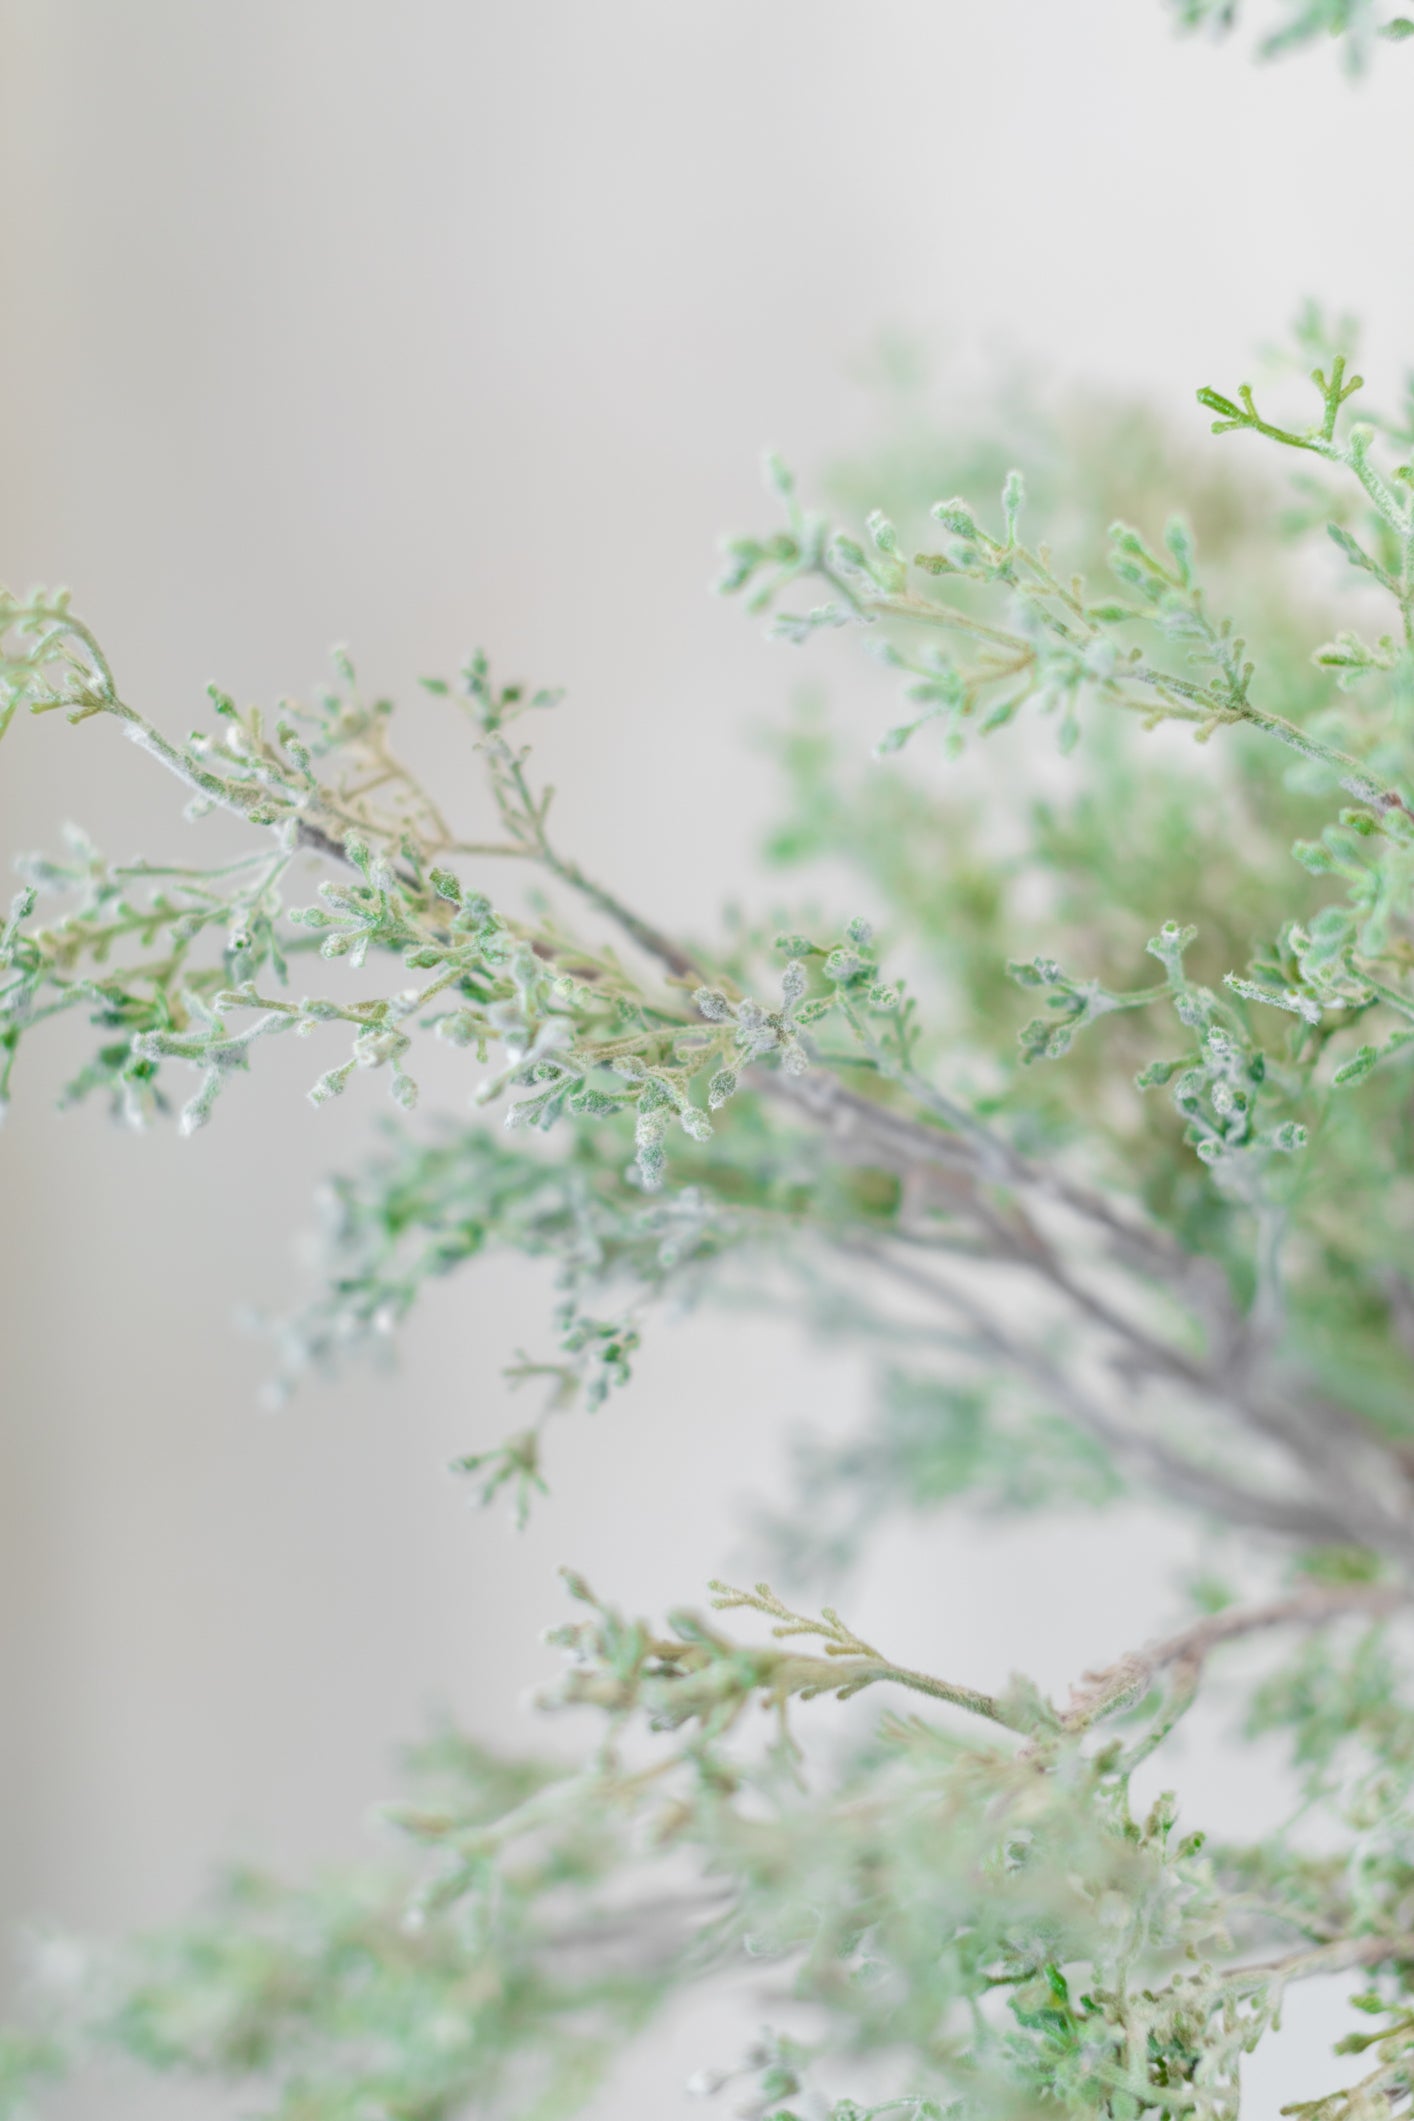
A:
[1098,1692]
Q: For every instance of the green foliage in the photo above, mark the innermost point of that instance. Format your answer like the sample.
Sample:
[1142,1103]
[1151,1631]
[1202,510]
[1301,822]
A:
[989,1916]
[930,1441]
[1358,23]
[27,2061]
[409,1992]
[1092,1132]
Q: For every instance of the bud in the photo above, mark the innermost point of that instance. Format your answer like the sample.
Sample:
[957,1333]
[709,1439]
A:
[721,1087]
[778,475]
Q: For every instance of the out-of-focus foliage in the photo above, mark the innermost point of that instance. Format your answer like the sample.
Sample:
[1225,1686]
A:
[980,1917]
[1356,24]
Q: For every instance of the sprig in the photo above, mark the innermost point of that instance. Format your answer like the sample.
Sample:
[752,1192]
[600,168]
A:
[541,1917]
[1356,23]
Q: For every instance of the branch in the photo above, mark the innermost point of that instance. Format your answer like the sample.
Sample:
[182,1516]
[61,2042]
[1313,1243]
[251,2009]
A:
[1311,1523]
[903,1145]
[1323,1438]
[1099,1693]
[858,1664]
[1370,1504]
[1320,1436]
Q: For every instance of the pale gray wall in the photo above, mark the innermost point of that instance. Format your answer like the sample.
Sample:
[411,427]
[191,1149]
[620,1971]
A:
[441,323]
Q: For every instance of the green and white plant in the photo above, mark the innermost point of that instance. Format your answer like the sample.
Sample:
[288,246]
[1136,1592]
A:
[1120,1192]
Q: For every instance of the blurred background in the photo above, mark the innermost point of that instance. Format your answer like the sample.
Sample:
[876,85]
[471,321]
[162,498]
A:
[447,324]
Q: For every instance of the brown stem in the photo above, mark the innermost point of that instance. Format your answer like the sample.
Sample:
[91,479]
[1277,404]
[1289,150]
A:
[1097,1692]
